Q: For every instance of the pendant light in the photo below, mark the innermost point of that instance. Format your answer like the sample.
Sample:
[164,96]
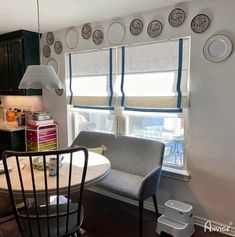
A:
[40,76]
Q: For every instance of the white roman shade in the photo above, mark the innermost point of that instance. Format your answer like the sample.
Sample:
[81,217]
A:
[155,76]
[90,75]
[149,77]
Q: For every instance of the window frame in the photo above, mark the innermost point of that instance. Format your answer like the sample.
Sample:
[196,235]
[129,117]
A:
[180,113]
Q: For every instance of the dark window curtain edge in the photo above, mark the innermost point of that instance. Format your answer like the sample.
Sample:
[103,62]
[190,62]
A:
[180,62]
[70,80]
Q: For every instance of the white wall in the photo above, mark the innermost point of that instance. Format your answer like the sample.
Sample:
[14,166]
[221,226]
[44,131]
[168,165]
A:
[211,161]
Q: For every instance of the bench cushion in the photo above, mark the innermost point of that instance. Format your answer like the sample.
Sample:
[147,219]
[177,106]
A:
[122,183]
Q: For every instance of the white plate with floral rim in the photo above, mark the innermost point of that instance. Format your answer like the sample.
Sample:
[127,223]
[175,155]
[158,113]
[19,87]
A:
[136,27]
[58,47]
[200,23]
[176,17]
[98,37]
[50,38]
[86,31]
[154,28]
[46,51]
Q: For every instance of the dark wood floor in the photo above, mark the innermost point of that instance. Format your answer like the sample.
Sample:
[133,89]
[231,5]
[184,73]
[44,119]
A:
[106,217]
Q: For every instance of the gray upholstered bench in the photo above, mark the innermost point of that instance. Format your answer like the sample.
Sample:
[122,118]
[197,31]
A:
[135,165]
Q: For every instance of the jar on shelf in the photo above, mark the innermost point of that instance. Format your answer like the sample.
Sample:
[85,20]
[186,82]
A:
[11,115]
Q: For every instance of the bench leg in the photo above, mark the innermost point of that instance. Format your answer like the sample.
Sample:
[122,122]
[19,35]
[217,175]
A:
[141,206]
[155,205]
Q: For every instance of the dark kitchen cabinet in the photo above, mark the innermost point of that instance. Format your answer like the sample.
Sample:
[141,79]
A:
[18,50]
[12,140]
[4,84]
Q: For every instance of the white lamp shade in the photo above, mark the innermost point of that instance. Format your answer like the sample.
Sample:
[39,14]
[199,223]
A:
[40,77]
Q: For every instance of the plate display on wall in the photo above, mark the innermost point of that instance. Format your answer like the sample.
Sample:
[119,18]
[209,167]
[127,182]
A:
[176,17]
[98,37]
[58,47]
[50,38]
[116,33]
[59,92]
[200,23]
[217,48]
[71,38]
[46,51]
[154,28]
[86,31]
[136,27]
[52,62]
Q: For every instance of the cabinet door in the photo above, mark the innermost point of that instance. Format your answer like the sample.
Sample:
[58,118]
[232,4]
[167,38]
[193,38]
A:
[16,64]
[14,141]
[4,75]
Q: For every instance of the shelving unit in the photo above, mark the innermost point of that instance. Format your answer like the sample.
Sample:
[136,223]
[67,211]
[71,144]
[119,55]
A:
[42,137]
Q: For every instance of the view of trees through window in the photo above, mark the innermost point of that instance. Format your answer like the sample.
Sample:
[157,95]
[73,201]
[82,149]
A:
[169,130]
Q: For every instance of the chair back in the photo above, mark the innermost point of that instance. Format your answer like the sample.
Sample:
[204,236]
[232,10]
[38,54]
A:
[33,182]
[129,154]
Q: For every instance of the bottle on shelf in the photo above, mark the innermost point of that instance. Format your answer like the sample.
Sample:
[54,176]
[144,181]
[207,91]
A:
[19,117]
[1,111]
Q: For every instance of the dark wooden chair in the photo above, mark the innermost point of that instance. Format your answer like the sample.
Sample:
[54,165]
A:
[39,217]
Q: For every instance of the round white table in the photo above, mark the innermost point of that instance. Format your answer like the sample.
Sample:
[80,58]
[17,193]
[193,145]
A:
[98,167]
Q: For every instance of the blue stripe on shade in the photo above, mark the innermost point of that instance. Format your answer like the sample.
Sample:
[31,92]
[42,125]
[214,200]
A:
[180,62]
[110,76]
[70,79]
[179,110]
[122,77]
[94,107]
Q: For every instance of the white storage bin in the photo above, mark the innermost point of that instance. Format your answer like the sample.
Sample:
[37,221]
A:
[177,219]
[174,228]
[179,211]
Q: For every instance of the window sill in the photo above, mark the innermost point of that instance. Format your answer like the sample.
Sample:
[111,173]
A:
[173,173]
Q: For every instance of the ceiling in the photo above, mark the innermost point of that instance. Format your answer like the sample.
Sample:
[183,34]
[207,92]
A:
[59,14]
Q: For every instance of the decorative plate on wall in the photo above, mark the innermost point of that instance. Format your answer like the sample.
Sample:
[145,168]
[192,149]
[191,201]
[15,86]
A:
[217,48]
[86,31]
[58,47]
[200,23]
[52,62]
[136,27]
[98,37]
[116,33]
[59,92]
[50,38]
[71,38]
[176,17]
[46,51]
[154,28]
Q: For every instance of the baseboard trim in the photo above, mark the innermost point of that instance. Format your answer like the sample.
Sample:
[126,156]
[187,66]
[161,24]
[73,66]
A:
[199,221]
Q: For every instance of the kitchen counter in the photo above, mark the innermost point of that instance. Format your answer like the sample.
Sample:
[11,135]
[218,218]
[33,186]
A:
[10,126]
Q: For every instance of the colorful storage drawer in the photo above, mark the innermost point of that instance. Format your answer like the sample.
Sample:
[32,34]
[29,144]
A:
[42,137]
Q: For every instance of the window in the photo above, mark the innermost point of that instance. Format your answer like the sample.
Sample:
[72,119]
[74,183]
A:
[139,90]
[168,129]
